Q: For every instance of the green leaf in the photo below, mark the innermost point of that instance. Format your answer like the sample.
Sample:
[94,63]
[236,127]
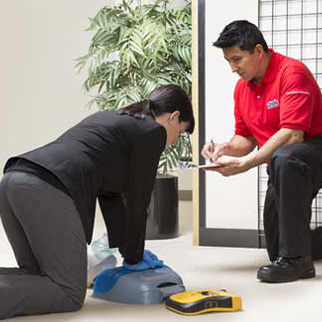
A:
[134,49]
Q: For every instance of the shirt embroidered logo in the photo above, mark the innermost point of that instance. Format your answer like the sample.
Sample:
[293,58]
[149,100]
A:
[297,92]
[272,104]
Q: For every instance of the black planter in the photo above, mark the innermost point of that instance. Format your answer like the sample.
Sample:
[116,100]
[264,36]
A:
[163,220]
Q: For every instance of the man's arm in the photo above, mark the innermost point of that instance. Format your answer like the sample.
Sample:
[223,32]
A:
[238,146]
[282,137]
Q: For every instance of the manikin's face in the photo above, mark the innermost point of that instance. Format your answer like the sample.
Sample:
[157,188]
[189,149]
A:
[245,64]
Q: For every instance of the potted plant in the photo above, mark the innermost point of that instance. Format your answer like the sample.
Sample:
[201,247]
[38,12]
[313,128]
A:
[135,49]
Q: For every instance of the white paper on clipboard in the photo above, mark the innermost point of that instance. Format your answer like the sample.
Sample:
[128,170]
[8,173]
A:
[188,166]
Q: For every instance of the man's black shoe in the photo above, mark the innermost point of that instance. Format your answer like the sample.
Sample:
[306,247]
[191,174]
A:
[287,270]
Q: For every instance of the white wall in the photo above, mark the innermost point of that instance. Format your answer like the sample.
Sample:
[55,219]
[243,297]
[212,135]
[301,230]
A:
[230,202]
[41,92]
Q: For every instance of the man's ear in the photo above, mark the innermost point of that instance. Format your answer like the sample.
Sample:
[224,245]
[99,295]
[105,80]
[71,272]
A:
[259,49]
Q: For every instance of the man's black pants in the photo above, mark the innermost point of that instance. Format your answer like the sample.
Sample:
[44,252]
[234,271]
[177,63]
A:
[295,177]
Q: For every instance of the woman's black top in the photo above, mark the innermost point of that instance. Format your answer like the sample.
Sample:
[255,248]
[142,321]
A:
[107,156]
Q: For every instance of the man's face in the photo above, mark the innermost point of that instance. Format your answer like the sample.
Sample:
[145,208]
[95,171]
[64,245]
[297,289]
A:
[244,63]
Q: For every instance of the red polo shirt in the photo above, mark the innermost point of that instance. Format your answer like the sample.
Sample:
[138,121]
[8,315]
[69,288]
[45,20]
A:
[287,97]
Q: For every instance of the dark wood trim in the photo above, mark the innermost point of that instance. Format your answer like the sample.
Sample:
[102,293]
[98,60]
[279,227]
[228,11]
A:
[228,237]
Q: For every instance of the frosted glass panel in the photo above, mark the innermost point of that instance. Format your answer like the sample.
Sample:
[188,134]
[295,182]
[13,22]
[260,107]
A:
[279,23]
[310,7]
[309,21]
[309,36]
[280,8]
[266,24]
[280,37]
[295,7]
[294,37]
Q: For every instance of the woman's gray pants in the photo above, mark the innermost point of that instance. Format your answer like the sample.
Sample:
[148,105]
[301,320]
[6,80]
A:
[45,231]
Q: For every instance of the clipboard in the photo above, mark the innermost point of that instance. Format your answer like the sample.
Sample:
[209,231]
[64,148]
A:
[209,166]
[188,166]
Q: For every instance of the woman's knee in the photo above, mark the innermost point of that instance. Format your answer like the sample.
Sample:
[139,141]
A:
[76,299]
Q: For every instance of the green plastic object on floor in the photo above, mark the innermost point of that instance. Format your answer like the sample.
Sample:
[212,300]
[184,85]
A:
[100,257]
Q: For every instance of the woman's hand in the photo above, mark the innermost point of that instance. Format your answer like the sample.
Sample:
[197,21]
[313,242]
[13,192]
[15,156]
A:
[152,259]
[149,261]
[140,266]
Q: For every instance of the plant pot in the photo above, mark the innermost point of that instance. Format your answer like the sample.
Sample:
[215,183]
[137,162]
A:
[163,219]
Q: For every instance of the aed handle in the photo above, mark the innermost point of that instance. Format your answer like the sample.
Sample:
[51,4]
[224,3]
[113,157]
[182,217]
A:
[169,290]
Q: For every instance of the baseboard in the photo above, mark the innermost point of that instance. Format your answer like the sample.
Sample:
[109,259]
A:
[185,195]
[229,237]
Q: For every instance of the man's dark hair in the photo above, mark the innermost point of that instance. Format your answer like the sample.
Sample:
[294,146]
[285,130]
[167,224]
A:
[243,34]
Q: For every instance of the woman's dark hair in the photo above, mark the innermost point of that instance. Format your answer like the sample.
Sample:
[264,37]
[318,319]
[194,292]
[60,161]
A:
[164,99]
[243,34]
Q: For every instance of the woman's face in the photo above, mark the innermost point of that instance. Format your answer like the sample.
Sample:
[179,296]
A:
[175,128]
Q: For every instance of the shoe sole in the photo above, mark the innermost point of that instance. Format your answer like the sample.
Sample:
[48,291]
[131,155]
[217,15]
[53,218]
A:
[267,278]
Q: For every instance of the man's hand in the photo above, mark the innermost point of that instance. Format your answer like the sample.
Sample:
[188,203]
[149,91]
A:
[238,146]
[230,167]
[212,151]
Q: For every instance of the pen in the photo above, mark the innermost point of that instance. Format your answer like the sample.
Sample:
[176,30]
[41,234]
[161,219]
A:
[212,145]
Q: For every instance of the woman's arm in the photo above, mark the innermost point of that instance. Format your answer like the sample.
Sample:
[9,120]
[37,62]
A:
[145,154]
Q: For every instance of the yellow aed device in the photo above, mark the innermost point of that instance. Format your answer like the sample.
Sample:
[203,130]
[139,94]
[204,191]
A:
[202,301]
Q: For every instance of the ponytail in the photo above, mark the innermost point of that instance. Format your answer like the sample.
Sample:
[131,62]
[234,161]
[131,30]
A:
[140,109]
[164,99]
